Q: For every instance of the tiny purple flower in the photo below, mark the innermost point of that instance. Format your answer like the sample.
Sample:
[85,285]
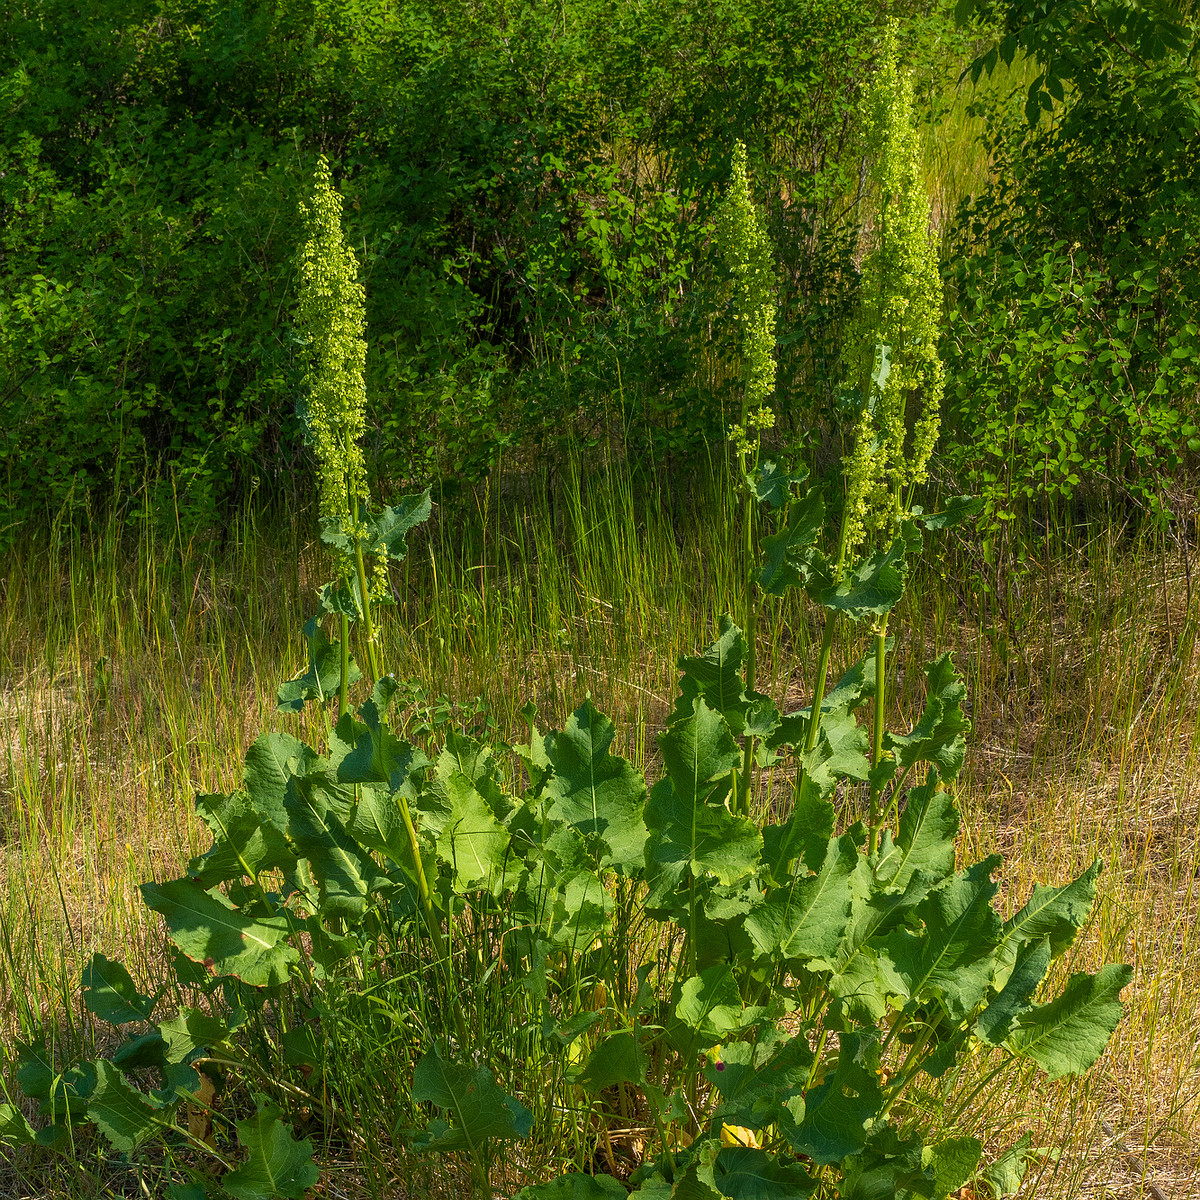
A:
[719,1065]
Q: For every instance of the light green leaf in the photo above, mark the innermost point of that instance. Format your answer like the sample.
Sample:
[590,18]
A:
[705,838]
[482,1111]
[123,1114]
[716,676]
[109,993]
[15,1129]
[276,1165]
[952,960]
[393,525]
[838,1110]
[954,1161]
[207,928]
[806,919]
[872,588]
[925,840]
[270,762]
[1056,913]
[1066,1036]
[582,911]
[1004,1176]
[803,837]
[599,794]
[710,1006]
[191,1030]
[471,841]
[244,843]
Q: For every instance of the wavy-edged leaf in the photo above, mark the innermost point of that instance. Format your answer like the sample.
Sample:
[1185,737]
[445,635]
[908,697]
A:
[244,843]
[207,928]
[482,1110]
[745,1173]
[707,839]
[15,1129]
[575,1187]
[787,554]
[838,1110]
[276,1165]
[471,841]
[124,1115]
[717,676]
[939,737]
[1066,1036]
[323,677]
[1055,913]
[272,760]
[925,840]
[996,1021]
[596,792]
[619,1058]
[806,919]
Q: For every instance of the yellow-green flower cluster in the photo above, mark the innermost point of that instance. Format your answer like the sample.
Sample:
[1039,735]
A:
[898,367]
[747,250]
[332,314]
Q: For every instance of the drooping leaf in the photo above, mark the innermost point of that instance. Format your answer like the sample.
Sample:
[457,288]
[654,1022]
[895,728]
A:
[838,1110]
[745,1173]
[710,1008]
[346,875]
[957,510]
[109,993]
[124,1115]
[244,844]
[939,736]
[15,1129]
[191,1030]
[952,959]
[806,919]
[276,1165]
[754,1080]
[378,755]
[481,1109]
[787,553]
[599,794]
[619,1058]
[207,927]
[872,588]
[996,1021]
[324,674]
[1067,1035]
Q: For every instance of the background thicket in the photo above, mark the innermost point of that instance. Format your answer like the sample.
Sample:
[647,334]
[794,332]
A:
[530,187]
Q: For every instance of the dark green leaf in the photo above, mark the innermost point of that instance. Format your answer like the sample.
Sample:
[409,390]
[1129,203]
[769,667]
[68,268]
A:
[109,993]
[838,1110]
[324,674]
[1056,913]
[482,1111]
[123,1114]
[996,1021]
[244,843]
[787,555]
[619,1058]
[575,1187]
[772,485]
[15,1129]
[394,524]
[206,927]
[954,1161]
[276,1164]
[939,736]
[742,1173]
[270,762]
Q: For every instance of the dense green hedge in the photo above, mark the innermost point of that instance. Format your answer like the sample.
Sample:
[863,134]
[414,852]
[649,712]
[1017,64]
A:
[529,188]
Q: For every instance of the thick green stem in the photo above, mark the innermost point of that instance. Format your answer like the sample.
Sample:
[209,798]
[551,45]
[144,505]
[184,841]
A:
[751,629]
[877,738]
[360,568]
[344,684]
[814,719]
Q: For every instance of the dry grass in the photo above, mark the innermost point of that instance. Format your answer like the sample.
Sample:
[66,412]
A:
[1086,743]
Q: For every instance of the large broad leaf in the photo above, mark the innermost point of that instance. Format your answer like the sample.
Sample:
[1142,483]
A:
[190,1030]
[347,877]
[872,588]
[244,843]
[803,837]
[1015,999]
[575,1187]
[840,752]
[754,1080]
[1056,913]
[208,929]
[838,1109]
[123,1114]
[787,554]
[805,920]
[951,961]
[939,736]
[742,1173]
[710,1008]
[772,484]
[599,794]
[109,993]
[377,755]
[471,841]
[324,675]
[707,839]
[1066,1036]
[925,840]
[276,1164]
[716,676]
[619,1058]
[482,1111]
[1005,1176]
[889,1168]
[272,760]
[581,913]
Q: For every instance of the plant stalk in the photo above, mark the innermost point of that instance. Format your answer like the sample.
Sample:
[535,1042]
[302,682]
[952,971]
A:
[877,738]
